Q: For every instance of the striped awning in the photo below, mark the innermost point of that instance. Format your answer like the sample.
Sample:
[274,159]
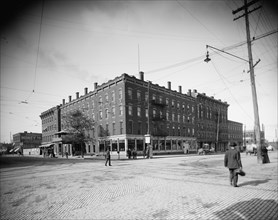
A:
[46,145]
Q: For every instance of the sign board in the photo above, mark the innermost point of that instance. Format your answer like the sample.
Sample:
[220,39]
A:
[147,139]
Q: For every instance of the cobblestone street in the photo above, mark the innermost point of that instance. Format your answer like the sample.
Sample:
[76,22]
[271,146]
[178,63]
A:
[177,187]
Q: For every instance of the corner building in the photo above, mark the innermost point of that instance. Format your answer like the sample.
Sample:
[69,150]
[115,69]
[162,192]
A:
[127,108]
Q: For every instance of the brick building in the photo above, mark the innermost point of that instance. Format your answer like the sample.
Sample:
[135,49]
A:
[212,122]
[27,143]
[127,108]
[235,133]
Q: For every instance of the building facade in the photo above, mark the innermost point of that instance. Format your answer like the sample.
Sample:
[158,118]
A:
[126,109]
[235,132]
[27,143]
[212,122]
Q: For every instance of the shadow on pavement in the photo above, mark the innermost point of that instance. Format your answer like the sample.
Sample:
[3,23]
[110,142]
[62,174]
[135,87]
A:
[251,209]
[254,182]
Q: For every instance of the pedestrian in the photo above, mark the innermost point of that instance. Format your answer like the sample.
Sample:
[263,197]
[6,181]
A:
[128,153]
[233,162]
[265,158]
[144,152]
[67,155]
[108,157]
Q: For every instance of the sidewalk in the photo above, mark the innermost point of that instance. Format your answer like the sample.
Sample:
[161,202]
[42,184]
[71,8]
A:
[162,188]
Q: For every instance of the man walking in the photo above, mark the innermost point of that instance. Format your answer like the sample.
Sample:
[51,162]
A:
[108,157]
[233,162]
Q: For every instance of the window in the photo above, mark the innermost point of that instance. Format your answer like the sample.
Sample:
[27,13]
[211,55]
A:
[129,110]
[167,101]
[107,129]
[121,110]
[106,97]
[120,93]
[154,113]
[178,105]
[146,97]
[121,127]
[173,103]
[100,100]
[129,93]
[179,117]
[113,96]
[100,114]
[139,111]
[183,106]
[173,117]
[113,111]
[160,99]
[139,95]
[106,113]
[130,127]
[139,128]
[167,116]
[113,128]
[154,97]
[147,112]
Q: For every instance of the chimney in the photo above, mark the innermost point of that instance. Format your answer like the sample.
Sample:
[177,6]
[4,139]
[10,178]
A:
[85,91]
[77,95]
[69,98]
[180,89]
[141,75]
[169,85]
[195,90]
[204,94]
[95,85]
[189,92]
[64,101]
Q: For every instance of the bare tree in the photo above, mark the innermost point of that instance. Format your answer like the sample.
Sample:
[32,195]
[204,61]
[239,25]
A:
[79,127]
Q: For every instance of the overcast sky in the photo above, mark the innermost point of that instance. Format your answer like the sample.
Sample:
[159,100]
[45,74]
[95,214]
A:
[52,50]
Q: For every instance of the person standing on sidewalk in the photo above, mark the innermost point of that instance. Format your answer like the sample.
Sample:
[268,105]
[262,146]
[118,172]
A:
[108,157]
[233,162]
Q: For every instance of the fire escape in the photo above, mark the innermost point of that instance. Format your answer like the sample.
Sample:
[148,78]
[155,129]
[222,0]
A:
[159,119]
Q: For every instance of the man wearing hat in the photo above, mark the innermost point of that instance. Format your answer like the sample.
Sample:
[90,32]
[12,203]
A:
[233,162]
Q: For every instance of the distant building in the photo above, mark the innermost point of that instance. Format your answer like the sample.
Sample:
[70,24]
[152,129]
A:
[249,136]
[27,143]
[235,132]
[127,108]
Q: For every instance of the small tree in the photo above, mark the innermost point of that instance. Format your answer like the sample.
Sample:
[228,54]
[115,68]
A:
[78,126]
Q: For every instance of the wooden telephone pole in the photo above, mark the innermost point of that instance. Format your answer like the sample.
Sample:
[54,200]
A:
[252,75]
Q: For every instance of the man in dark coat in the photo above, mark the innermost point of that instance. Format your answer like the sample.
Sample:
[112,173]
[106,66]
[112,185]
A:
[108,157]
[233,162]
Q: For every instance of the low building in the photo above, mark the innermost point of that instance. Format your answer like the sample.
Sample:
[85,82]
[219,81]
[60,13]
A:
[235,131]
[27,143]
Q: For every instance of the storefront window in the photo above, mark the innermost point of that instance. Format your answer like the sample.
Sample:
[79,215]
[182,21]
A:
[179,145]
[114,145]
[131,144]
[162,145]
[155,144]
[139,145]
[168,144]
[174,145]
[122,145]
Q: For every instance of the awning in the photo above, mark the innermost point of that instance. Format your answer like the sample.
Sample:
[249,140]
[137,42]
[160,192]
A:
[46,145]
[62,132]
[16,149]
[11,150]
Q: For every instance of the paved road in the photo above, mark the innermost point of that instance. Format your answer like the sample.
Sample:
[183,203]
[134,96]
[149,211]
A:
[189,187]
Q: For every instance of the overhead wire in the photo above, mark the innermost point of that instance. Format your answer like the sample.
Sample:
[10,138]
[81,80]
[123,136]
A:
[221,77]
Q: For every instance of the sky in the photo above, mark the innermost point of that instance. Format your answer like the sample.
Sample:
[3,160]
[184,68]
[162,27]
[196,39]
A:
[53,49]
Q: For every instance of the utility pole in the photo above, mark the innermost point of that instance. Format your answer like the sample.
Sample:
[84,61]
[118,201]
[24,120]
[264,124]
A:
[252,75]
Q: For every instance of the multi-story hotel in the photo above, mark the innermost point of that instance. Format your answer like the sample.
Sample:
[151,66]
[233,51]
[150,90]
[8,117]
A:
[127,108]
